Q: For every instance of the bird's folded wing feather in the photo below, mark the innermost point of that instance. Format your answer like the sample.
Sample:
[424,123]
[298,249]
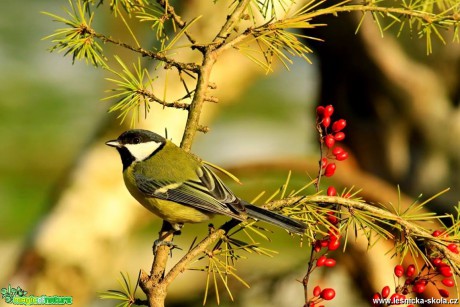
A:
[207,193]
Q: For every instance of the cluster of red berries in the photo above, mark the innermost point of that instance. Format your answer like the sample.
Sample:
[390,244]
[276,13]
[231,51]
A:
[320,295]
[409,281]
[329,138]
[329,242]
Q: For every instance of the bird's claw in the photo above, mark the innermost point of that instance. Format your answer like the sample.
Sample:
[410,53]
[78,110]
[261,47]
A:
[159,243]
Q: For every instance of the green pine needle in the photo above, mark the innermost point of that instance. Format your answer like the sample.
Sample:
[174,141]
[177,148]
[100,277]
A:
[126,295]
[133,90]
[78,38]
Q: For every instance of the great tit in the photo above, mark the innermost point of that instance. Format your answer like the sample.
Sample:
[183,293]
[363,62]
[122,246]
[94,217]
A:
[179,188]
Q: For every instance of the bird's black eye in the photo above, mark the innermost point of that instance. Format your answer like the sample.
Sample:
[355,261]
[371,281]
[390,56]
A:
[136,140]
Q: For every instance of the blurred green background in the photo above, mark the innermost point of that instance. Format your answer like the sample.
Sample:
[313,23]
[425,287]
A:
[48,110]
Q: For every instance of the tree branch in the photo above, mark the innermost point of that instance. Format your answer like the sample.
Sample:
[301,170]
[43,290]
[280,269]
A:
[198,249]
[152,284]
[175,104]
[411,228]
[198,100]
[231,23]
[177,19]
[203,82]
[192,67]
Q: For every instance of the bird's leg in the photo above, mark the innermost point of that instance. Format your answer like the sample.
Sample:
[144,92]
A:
[175,229]
[158,243]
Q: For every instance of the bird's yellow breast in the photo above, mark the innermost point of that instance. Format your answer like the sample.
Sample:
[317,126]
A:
[167,210]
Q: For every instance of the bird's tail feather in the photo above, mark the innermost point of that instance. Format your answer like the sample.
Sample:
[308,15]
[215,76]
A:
[275,219]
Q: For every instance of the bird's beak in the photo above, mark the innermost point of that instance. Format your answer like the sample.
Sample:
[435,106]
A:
[113,143]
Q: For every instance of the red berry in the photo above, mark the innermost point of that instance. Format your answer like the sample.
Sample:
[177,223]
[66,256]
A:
[448,282]
[393,298]
[333,245]
[328,294]
[332,218]
[436,233]
[326,121]
[330,262]
[333,233]
[339,125]
[423,282]
[397,298]
[320,110]
[339,136]
[443,292]
[329,140]
[410,271]
[330,170]
[385,291]
[375,298]
[316,291]
[323,162]
[320,262]
[418,288]
[331,191]
[445,271]
[324,243]
[399,270]
[342,156]
[337,150]
[328,110]
[441,264]
[436,261]
[317,246]
[453,248]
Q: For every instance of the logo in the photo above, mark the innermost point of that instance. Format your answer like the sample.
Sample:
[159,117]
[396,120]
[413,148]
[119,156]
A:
[17,296]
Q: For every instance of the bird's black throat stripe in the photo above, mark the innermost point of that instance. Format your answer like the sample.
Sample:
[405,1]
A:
[126,157]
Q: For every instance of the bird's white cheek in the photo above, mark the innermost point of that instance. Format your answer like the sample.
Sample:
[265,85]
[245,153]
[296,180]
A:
[142,151]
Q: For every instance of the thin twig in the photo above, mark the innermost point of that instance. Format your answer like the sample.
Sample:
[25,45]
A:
[307,275]
[199,248]
[177,19]
[231,23]
[175,104]
[192,67]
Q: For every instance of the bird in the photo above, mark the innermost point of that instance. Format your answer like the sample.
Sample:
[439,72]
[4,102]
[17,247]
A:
[179,187]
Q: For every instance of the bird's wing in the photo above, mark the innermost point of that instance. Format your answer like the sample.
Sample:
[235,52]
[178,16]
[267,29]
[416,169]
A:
[206,193]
